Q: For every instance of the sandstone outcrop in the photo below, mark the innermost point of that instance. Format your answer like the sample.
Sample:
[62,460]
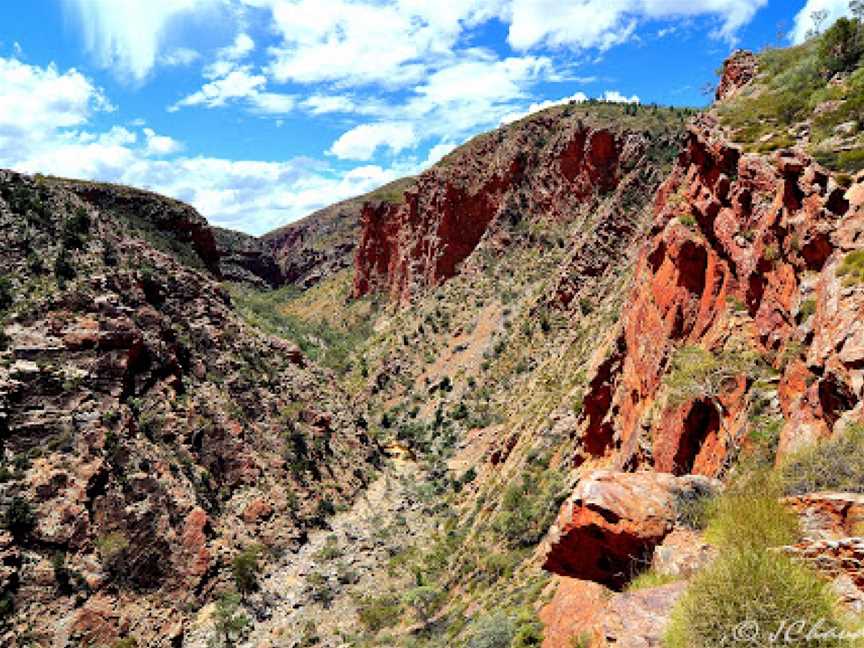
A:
[608,528]
[743,250]
[738,70]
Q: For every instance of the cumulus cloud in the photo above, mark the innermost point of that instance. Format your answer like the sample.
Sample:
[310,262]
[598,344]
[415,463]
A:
[238,83]
[616,97]
[361,142]
[604,23]
[390,43]
[128,36]
[579,97]
[804,19]
[160,145]
[46,126]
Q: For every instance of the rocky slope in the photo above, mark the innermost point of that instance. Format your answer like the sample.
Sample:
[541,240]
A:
[149,433]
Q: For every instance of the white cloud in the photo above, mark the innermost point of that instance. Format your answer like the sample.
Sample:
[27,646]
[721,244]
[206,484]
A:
[363,41]
[437,152]
[45,126]
[127,35]
[160,145]
[35,101]
[616,97]
[361,142]
[179,57]
[804,19]
[605,23]
[239,83]
[579,97]
[240,48]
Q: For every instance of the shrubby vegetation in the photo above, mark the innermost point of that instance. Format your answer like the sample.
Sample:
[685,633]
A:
[751,581]
[794,81]
[835,464]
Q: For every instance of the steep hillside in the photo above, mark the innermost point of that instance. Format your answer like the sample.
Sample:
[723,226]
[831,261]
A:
[149,434]
[548,167]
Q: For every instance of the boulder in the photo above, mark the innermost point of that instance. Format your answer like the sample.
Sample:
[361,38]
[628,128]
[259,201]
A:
[613,521]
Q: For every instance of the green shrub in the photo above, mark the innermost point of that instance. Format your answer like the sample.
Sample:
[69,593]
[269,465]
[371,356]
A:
[75,229]
[751,584]
[495,630]
[230,622]
[649,579]
[807,309]
[322,592]
[425,601]
[111,545]
[762,589]
[377,613]
[63,268]
[852,268]
[696,373]
[841,47]
[528,632]
[20,519]
[7,295]
[834,464]
[245,569]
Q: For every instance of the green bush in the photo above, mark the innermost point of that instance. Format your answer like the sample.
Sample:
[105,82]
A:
[649,579]
[529,507]
[75,229]
[495,630]
[7,295]
[834,464]
[20,519]
[758,590]
[63,268]
[230,622]
[751,584]
[425,601]
[841,47]
[377,613]
[245,569]
[852,268]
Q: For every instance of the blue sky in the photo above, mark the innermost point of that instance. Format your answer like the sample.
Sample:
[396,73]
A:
[260,111]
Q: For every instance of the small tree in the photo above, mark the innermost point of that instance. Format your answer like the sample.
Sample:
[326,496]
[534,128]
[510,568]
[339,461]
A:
[424,600]
[857,9]
[841,47]
[245,569]
[19,518]
[229,621]
[818,19]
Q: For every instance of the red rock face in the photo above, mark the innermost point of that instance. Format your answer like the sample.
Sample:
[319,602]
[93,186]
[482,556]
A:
[420,243]
[615,520]
[738,244]
[738,70]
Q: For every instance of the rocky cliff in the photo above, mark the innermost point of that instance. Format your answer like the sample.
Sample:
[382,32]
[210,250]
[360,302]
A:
[552,166]
[149,434]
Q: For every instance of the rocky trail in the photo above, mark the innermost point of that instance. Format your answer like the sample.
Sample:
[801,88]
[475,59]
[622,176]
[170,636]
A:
[310,597]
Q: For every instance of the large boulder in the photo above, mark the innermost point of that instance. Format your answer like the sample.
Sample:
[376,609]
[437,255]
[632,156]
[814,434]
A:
[612,522]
